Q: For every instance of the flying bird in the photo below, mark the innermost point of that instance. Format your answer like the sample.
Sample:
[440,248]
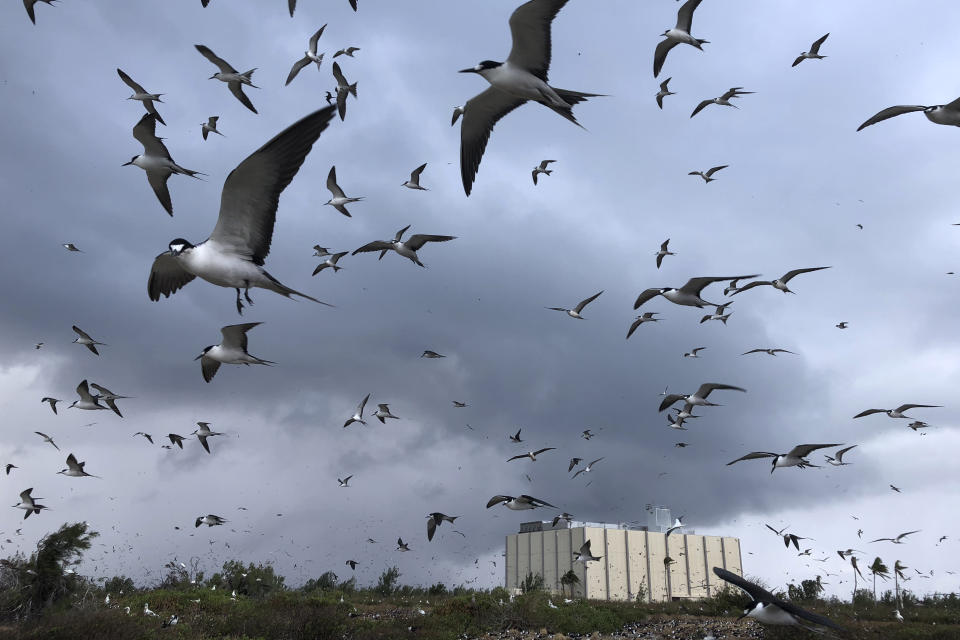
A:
[664,91]
[203,433]
[688,294]
[69,246]
[75,469]
[680,34]
[358,414]
[231,76]
[664,251]
[331,263]
[109,397]
[85,339]
[87,401]
[542,168]
[780,283]
[414,181]
[796,457]
[310,55]
[434,520]
[431,354]
[531,454]
[813,54]
[339,198]
[693,352]
[586,469]
[584,554]
[770,352]
[10,466]
[407,248]
[352,564]
[344,88]
[575,312]
[47,438]
[837,459]
[141,94]
[401,546]
[641,319]
[29,504]
[948,114]
[718,314]
[766,608]
[898,539]
[349,51]
[458,404]
[176,439]
[28,5]
[698,398]
[383,412]
[210,520]
[898,412]
[145,435]
[897,489]
[52,402]
[234,254]
[522,77]
[210,126]
[724,100]
[156,161]
[519,503]
[707,179]
[345,482]
[231,350]
[842,325]
[516,437]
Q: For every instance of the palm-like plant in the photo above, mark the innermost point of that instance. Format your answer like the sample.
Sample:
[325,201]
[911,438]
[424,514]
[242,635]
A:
[898,573]
[570,579]
[856,569]
[878,569]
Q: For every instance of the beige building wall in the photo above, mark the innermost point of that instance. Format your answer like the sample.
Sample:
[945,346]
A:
[633,561]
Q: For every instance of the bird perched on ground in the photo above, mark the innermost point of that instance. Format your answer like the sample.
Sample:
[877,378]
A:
[766,608]
[680,34]
[780,283]
[575,312]
[724,100]
[231,350]
[434,520]
[542,169]
[707,175]
[234,79]
[408,248]
[522,77]
[813,54]
[234,254]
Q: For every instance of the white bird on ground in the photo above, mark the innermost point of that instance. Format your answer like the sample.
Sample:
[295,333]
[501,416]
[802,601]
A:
[796,457]
[234,254]
[358,414]
[813,54]
[147,611]
[339,198]
[542,168]
[310,55]
[575,312]
[141,94]
[414,181]
[522,77]
[231,350]
[234,79]
[780,283]
[680,34]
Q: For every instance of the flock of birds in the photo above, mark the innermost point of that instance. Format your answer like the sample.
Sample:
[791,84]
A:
[234,254]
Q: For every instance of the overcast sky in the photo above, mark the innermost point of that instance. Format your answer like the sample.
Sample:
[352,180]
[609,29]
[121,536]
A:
[800,179]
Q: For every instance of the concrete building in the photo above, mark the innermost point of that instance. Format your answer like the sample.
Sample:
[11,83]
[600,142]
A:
[636,560]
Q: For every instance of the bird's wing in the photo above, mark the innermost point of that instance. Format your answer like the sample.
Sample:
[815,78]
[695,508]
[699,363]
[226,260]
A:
[332,185]
[315,38]
[839,454]
[754,455]
[338,75]
[803,450]
[664,244]
[208,366]
[362,405]
[495,500]
[292,6]
[596,461]
[416,241]
[248,204]
[798,60]
[28,5]
[522,455]
[212,121]
[203,441]
[530,28]
[295,69]
[158,182]
[376,245]
[751,285]
[533,500]
[212,57]
[415,174]
[645,296]
[130,82]
[869,412]
[752,351]
[707,387]
[633,327]
[685,14]
[815,47]
[891,112]
[785,278]
[906,407]
[353,4]
[539,451]
[700,107]
[806,615]
[696,285]
[481,113]
[235,335]
[584,303]
[342,103]
[669,400]
[756,592]
[660,56]
[534,174]
[715,169]
[25,496]
[431,528]
[953,106]
[144,130]
[166,276]
[236,88]
[904,535]
[80,332]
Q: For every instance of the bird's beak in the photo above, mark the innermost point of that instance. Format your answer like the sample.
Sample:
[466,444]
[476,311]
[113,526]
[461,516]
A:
[126,163]
[198,357]
[470,70]
[212,77]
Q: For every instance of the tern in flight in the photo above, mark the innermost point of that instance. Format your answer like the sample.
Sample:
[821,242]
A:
[575,312]
[52,402]
[770,352]
[813,54]
[383,412]
[345,482]
[210,520]
[586,469]
[310,55]
[796,457]
[109,397]
[141,94]
[402,546]
[349,51]
[948,114]
[522,77]
[664,92]
[89,402]
[688,294]
[75,469]
[584,554]
[407,248]
[156,160]
[718,314]
[693,352]
[542,168]
[203,433]
[898,539]
[47,438]
[766,608]
[28,5]
[344,88]
[724,100]
[434,520]
[664,251]
[837,459]
[516,437]
[29,504]
[707,175]
[780,283]
[231,350]
[210,126]
[698,398]
[358,414]
[431,354]
[531,454]
[680,34]
[899,411]
[339,198]
[231,76]
[646,317]
[519,503]
[331,263]
[414,181]
[234,254]
[69,246]
[84,339]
